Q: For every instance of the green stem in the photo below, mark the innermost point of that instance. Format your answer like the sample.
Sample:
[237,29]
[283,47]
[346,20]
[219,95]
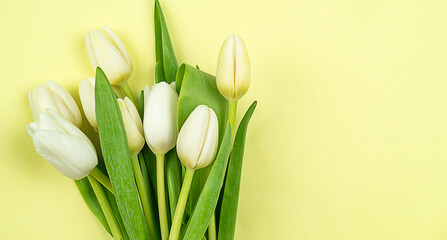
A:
[142,189]
[102,178]
[129,93]
[232,107]
[180,209]
[106,208]
[212,228]
[161,196]
[232,110]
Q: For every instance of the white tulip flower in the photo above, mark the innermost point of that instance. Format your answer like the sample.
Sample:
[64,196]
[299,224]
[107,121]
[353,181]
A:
[198,138]
[233,68]
[133,125]
[160,117]
[87,96]
[62,144]
[53,96]
[109,53]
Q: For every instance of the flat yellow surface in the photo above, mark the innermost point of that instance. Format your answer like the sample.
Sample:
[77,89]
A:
[349,140]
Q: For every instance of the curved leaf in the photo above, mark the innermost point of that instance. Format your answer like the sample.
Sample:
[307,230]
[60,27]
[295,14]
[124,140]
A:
[173,179]
[166,67]
[207,202]
[92,202]
[228,211]
[116,212]
[116,155]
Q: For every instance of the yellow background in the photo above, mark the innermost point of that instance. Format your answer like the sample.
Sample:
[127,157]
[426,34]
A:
[348,140]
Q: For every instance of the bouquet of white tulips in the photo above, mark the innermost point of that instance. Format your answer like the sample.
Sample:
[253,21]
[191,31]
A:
[169,163]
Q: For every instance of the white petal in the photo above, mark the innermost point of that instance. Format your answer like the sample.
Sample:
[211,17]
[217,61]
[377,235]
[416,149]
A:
[42,99]
[147,92]
[133,113]
[226,68]
[46,122]
[172,85]
[242,71]
[70,155]
[160,118]
[67,127]
[134,136]
[31,104]
[209,148]
[31,128]
[90,52]
[119,45]
[87,96]
[109,58]
[192,136]
[66,104]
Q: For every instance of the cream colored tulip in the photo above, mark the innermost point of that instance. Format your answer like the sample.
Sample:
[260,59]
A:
[160,117]
[63,145]
[133,125]
[87,96]
[53,96]
[198,138]
[109,53]
[233,68]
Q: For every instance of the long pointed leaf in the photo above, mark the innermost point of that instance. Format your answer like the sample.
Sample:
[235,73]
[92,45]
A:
[115,210]
[92,202]
[228,212]
[173,179]
[208,198]
[164,52]
[151,166]
[116,155]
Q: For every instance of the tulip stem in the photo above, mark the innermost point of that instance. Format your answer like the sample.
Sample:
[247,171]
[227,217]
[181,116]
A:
[180,209]
[161,196]
[106,208]
[212,228]
[232,107]
[128,92]
[102,178]
[143,191]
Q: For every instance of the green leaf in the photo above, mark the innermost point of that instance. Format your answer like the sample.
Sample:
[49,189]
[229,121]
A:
[116,212]
[116,155]
[92,202]
[164,52]
[195,88]
[207,202]
[151,166]
[154,224]
[141,105]
[159,76]
[173,179]
[228,212]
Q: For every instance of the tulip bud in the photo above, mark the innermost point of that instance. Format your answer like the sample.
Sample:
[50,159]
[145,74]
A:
[53,96]
[63,145]
[233,69]
[132,124]
[198,138]
[87,95]
[109,54]
[160,117]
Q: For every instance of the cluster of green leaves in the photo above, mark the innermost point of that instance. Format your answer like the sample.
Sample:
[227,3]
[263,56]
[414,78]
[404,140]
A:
[214,189]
